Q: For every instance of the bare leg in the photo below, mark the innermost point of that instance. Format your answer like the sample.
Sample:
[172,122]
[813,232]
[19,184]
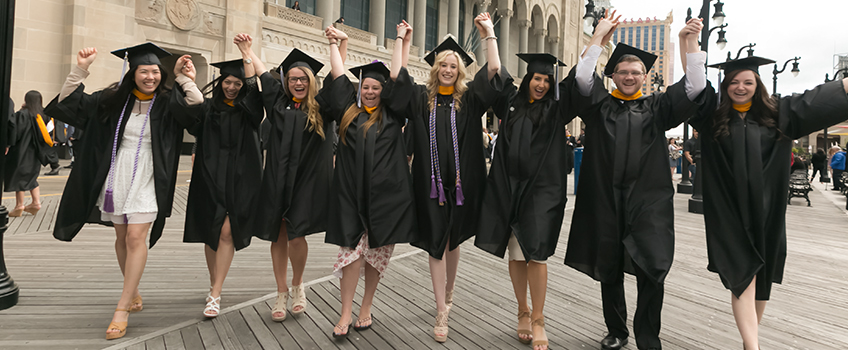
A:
[350,277]
[745,313]
[223,258]
[452,265]
[36,197]
[298,252]
[135,250]
[761,307]
[210,264]
[19,199]
[438,277]
[372,280]
[518,275]
[537,276]
[280,261]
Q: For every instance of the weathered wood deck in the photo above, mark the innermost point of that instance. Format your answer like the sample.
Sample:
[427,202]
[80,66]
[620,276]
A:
[69,289]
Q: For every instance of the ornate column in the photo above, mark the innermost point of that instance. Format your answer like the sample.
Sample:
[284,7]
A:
[540,39]
[324,9]
[377,22]
[554,41]
[503,40]
[453,19]
[419,29]
[523,32]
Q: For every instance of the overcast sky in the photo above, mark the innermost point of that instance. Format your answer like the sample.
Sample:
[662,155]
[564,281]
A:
[813,30]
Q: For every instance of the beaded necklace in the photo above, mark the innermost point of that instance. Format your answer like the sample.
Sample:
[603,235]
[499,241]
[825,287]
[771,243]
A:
[108,200]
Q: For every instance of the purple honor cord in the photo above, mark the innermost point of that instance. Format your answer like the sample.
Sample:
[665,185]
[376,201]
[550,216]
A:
[108,200]
[436,188]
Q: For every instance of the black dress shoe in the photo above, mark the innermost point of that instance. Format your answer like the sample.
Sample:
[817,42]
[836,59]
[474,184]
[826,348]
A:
[54,171]
[69,166]
[612,343]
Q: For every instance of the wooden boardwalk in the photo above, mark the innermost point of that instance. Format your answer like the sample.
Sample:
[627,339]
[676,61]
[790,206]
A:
[69,289]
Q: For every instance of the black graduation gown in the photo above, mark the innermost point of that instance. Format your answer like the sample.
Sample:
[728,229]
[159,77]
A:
[438,224]
[624,201]
[170,115]
[298,168]
[227,170]
[745,177]
[526,187]
[372,187]
[23,162]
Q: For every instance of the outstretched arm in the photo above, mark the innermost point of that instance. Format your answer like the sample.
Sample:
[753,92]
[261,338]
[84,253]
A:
[585,70]
[185,73]
[245,43]
[407,42]
[487,33]
[693,59]
[400,46]
[336,61]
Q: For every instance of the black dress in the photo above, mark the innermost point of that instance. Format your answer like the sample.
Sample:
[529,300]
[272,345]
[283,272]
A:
[26,144]
[440,223]
[169,117]
[227,170]
[624,201]
[526,186]
[372,189]
[745,177]
[298,168]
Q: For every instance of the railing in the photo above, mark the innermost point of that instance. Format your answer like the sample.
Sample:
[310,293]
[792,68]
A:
[358,35]
[284,13]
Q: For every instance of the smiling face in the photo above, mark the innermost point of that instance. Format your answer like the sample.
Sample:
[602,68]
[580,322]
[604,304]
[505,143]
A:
[231,86]
[629,76]
[539,86]
[448,71]
[371,89]
[742,87]
[298,83]
[147,78]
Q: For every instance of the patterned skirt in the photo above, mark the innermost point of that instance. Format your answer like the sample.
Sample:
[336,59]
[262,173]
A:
[378,258]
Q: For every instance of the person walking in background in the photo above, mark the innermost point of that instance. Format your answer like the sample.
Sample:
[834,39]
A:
[28,142]
[673,155]
[691,150]
[49,154]
[818,161]
[837,163]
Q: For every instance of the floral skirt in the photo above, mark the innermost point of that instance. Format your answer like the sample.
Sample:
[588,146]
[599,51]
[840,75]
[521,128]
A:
[377,257]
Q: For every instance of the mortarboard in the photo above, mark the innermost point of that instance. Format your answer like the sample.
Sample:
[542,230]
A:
[750,63]
[623,49]
[448,44]
[375,70]
[234,68]
[543,63]
[147,53]
[297,58]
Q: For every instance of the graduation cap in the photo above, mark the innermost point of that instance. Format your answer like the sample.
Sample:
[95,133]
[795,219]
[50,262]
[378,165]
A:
[297,58]
[623,49]
[448,44]
[750,63]
[375,70]
[234,68]
[147,53]
[543,63]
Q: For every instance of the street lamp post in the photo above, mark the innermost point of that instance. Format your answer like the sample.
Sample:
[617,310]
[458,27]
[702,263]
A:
[794,71]
[592,16]
[658,83]
[8,287]
[685,186]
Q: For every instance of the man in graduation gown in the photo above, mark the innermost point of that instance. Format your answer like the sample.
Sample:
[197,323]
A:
[623,218]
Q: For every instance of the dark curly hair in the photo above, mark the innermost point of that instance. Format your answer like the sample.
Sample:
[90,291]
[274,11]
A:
[763,103]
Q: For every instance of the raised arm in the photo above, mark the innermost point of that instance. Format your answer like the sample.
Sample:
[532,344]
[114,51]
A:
[397,56]
[693,59]
[585,70]
[185,73]
[487,33]
[336,61]
[407,42]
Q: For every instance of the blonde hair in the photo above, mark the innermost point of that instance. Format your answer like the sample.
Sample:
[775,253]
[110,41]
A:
[352,112]
[459,86]
[315,121]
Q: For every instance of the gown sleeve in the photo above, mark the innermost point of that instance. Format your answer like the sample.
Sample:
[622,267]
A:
[186,102]
[400,95]
[483,92]
[336,96]
[73,106]
[816,109]
[564,105]
[272,91]
[674,106]
[252,103]
[581,105]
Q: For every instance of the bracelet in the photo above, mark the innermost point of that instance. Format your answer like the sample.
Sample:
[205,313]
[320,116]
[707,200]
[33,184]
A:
[490,37]
[334,43]
[400,37]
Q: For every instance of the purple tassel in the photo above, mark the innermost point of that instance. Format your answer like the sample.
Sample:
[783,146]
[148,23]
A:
[442,199]
[460,198]
[108,202]
[433,194]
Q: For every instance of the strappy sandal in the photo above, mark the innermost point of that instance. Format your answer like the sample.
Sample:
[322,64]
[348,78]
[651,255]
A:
[298,296]
[32,209]
[213,308]
[137,301]
[440,331]
[358,326]
[541,340]
[121,328]
[280,306]
[524,330]
[449,298]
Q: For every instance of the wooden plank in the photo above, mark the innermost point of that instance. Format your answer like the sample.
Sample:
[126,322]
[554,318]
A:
[258,328]
[245,337]
[226,333]
[191,339]
[209,335]
[174,340]
[157,343]
[280,333]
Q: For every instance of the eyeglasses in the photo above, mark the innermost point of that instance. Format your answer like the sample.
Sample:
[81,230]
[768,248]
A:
[626,73]
[300,79]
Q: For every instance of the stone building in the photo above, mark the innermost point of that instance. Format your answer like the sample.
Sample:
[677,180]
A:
[48,33]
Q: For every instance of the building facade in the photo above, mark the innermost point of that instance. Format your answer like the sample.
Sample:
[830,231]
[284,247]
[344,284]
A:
[654,36]
[48,33]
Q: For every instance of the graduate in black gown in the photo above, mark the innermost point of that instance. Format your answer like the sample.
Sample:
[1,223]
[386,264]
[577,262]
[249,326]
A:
[745,151]
[623,217]
[524,202]
[449,167]
[28,139]
[126,166]
[371,208]
[295,195]
[227,171]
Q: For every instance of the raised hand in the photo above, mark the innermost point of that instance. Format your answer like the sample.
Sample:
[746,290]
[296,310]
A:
[243,41]
[408,36]
[86,56]
[484,25]
[185,67]
[607,26]
[692,28]
[402,30]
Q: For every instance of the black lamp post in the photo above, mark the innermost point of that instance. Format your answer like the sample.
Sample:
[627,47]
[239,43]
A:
[825,177]
[685,186]
[794,71]
[8,288]
[592,16]
[658,82]
[750,48]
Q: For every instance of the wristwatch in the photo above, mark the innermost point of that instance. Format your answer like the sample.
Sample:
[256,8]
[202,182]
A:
[248,60]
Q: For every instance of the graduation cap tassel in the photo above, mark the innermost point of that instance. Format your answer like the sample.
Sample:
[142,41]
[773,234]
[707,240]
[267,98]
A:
[441,189]
[124,68]
[460,198]
[282,80]
[359,91]
[556,81]
[433,194]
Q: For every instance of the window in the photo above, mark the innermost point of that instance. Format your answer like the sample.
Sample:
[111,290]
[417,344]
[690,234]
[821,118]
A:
[662,38]
[356,13]
[638,38]
[630,36]
[645,41]
[395,12]
[615,37]
[432,27]
[653,38]
[307,6]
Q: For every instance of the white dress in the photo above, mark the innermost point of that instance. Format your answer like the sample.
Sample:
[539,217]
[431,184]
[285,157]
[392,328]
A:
[139,195]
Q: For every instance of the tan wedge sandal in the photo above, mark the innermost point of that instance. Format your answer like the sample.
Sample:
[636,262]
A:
[440,331]
[542,339]
[524,329]
[121,327]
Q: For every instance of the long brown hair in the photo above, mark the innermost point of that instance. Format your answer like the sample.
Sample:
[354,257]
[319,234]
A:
[762,103]
[352,112]
[459,86]
[316,122]
[32,99]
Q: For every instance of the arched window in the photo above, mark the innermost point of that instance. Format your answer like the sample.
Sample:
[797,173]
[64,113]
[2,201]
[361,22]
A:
[307,6]
[395,12]
[356,13]
[432,31]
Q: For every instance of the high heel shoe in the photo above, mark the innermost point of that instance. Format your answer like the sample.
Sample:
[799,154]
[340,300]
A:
[525,330]
[541,339]
[32,209]
[440,331]
[137,301]
[213,308]
[120,326]
[280,306]
[16,213]
[298,296]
